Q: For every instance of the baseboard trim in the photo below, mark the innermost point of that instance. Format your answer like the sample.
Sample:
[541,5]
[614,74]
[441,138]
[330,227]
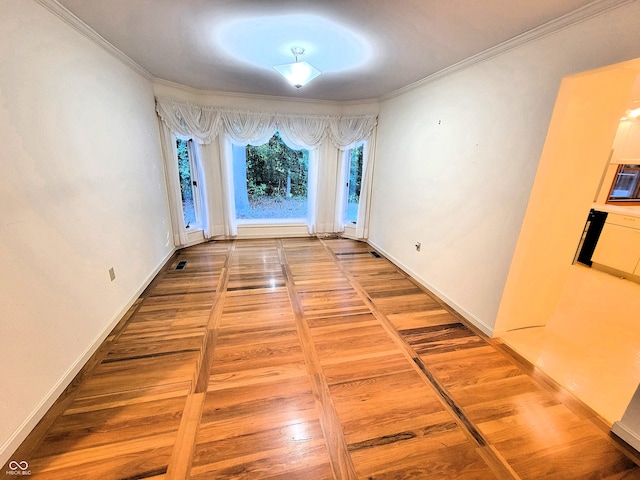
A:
[468,316]
[629,437]
[20,434]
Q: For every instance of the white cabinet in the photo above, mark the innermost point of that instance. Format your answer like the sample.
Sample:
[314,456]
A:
[619,244]
[626,145]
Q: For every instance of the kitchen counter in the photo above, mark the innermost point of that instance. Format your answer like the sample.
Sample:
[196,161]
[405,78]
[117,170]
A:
[618,245]
[621,209]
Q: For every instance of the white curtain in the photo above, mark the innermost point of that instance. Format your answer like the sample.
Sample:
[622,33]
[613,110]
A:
[245,128]
[328,171]
[214,224]
[346,131]
[216,129]
[312,191]
[364,204]
[228,205]
[202,124]
[174,197]
[366,186]
[309,131]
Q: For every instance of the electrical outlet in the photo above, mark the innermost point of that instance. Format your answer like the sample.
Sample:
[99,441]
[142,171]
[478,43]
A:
[418,245]
[112,274]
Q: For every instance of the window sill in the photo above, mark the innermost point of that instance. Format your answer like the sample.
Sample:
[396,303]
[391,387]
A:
[272,221]
[624,203]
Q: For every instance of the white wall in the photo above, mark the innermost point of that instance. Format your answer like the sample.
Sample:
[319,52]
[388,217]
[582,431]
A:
[81,190]
[457,156]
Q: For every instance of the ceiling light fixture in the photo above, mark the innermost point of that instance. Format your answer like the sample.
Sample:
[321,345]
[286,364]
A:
[633,112]
[298,73]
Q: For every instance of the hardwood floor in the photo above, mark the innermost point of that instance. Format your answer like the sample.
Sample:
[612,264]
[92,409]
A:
[310,359]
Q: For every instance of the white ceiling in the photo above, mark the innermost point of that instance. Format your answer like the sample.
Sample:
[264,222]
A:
[365,48]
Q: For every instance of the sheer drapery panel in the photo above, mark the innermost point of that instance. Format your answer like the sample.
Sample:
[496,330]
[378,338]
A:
[170,154]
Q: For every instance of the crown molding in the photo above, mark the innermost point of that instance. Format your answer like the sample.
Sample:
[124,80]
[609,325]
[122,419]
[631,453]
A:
[70,19]
[255,96]
[582,14]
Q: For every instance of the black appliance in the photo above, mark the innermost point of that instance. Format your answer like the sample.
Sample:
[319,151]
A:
[590,235]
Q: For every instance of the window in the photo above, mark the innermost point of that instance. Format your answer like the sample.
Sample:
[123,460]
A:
[354,180]
[270,181]
[626,186]
[188,183]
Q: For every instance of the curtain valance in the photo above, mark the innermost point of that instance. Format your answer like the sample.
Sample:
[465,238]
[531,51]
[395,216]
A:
[204,123]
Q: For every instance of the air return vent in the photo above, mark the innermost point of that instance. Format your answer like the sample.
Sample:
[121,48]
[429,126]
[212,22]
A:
[375,254]
[181,265]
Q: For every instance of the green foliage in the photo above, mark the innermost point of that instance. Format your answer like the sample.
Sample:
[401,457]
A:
[355,174]
[275,170]
[256,190]
[184,170]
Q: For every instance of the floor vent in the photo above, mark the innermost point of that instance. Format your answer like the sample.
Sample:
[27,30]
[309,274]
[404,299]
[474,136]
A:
[375,254]
[181,265]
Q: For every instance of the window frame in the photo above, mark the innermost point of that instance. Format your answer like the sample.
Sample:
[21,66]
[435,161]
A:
[268,220]
[347,172]
[634,199]
[195,185]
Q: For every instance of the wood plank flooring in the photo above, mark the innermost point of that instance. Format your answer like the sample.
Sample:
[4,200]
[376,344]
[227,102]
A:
[310,359]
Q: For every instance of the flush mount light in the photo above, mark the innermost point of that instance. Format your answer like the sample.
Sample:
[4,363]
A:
[633,112]
[298,73]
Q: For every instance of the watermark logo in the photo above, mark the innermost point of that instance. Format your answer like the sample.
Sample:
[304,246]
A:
[18,468]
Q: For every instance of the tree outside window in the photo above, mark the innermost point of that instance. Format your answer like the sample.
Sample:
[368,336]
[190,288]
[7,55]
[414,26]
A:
[354,183]
[187,183]
[270,181]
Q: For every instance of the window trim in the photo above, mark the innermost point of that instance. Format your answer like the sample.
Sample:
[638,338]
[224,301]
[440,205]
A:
[274,220]
[621,201]
[194,171]
[347,172]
